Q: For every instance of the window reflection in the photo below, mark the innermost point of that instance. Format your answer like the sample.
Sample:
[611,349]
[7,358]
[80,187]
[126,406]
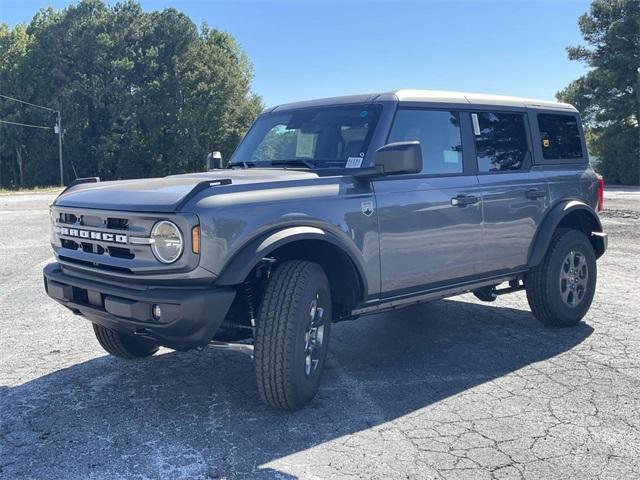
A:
[502,143]
[439,135]
[559,136]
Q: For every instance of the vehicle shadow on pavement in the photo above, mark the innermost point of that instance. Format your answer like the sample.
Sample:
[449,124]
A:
[197,414]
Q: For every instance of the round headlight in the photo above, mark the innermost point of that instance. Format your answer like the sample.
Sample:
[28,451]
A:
[167,243]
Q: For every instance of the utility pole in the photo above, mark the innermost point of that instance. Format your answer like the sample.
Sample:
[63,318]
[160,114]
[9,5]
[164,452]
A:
[59,128]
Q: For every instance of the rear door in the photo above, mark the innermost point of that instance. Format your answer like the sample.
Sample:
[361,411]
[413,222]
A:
[430,223]
[514,196]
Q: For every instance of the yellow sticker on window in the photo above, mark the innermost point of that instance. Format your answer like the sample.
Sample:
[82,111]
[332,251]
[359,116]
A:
[545,142]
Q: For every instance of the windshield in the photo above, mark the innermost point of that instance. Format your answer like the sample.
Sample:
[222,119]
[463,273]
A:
[320,137]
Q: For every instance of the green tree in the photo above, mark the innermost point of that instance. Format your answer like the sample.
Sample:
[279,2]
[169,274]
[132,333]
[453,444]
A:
[608,96]
[141,93]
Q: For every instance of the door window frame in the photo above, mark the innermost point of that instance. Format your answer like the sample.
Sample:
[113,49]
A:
[527,164]
[535,133]
[469,166]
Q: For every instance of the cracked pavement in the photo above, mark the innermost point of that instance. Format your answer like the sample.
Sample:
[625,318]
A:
[452,389]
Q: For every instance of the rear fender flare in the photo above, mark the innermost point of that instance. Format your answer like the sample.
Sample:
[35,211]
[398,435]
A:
[550,223]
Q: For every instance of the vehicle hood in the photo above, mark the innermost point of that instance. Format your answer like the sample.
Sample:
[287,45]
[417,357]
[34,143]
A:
[168,194]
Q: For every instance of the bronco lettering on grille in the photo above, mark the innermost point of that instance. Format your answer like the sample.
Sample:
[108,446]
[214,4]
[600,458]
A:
[92,235]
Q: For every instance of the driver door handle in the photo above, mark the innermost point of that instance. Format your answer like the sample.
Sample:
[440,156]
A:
[534,193]
[463,200]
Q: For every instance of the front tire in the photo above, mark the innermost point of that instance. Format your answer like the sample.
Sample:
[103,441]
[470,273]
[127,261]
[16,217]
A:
[560,290]
[123,346]
[292,334]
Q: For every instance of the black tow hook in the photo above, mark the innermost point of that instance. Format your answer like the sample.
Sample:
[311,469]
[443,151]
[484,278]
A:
[143,332]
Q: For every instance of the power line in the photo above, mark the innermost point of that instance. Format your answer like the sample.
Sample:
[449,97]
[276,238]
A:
[26,125]
[27,103]
[58,128]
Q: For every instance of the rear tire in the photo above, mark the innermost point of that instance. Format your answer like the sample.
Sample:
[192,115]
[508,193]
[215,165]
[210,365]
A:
[560,290]
[123,346]
[292,334]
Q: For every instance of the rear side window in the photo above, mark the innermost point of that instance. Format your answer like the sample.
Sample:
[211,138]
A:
[559,136]
[501,141]
[439,135]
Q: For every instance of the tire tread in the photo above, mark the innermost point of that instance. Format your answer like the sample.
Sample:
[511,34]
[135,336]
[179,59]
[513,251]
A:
[537,289]
[275,333]
[118,345]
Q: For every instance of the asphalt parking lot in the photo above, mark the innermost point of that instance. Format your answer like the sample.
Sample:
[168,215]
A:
[452,389]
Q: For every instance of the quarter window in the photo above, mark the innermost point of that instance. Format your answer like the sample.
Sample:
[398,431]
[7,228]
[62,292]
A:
[501,141]
[439,135]
[559,136]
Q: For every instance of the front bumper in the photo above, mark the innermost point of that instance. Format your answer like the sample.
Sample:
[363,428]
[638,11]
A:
[190,317]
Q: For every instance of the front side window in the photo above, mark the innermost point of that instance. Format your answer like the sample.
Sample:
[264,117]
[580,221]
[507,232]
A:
[501,141]
[439,135]
[559,136]
[318,137]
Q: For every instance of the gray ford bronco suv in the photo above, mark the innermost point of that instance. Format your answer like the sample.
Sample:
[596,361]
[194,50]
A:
[333,209]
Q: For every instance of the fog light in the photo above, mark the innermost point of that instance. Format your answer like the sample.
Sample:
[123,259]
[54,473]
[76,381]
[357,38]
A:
[157,312]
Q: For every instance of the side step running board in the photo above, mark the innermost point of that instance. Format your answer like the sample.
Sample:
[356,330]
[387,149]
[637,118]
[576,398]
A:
[437,293]
[490,293]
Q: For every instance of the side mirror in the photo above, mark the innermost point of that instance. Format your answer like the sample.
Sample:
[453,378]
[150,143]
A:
[214,161]
[400,157]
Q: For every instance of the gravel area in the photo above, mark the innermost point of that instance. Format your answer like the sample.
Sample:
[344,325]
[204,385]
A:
[452,389]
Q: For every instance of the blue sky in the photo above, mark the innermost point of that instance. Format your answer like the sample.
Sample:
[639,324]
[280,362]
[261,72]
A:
[308,49]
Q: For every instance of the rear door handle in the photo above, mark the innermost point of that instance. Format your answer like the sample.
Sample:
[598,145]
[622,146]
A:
[535,193]
[462,200]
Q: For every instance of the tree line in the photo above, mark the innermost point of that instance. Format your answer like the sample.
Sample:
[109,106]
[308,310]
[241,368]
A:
[608,96]
[150,93]
[141,93]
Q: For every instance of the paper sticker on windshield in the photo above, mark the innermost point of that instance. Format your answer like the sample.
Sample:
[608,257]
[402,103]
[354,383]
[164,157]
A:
[353,162]
[305,145]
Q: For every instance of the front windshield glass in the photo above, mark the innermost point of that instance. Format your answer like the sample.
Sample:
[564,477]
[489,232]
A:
[319,137]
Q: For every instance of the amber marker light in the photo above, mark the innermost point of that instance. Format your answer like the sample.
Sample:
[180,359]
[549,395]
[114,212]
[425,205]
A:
[195,239]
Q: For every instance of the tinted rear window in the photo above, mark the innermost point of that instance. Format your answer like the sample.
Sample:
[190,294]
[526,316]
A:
[501,141]
[559,136]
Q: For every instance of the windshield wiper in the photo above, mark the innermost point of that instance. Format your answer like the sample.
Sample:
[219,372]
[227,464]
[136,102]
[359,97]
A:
[266,164]
[310,164]
[243,164]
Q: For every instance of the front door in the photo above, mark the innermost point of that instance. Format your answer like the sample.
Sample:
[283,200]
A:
[430,223]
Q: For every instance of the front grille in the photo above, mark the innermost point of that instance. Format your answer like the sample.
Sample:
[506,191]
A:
[95,221]
[118,223]
[120,252]
[114,241]
[100,266]
[86,247]
[81,232]
[68,218]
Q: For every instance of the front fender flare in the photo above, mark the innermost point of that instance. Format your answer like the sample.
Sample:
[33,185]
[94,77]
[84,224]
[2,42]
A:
[551,221]
[241,264]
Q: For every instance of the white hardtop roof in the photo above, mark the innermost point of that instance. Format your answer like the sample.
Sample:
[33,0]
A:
[434,97]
